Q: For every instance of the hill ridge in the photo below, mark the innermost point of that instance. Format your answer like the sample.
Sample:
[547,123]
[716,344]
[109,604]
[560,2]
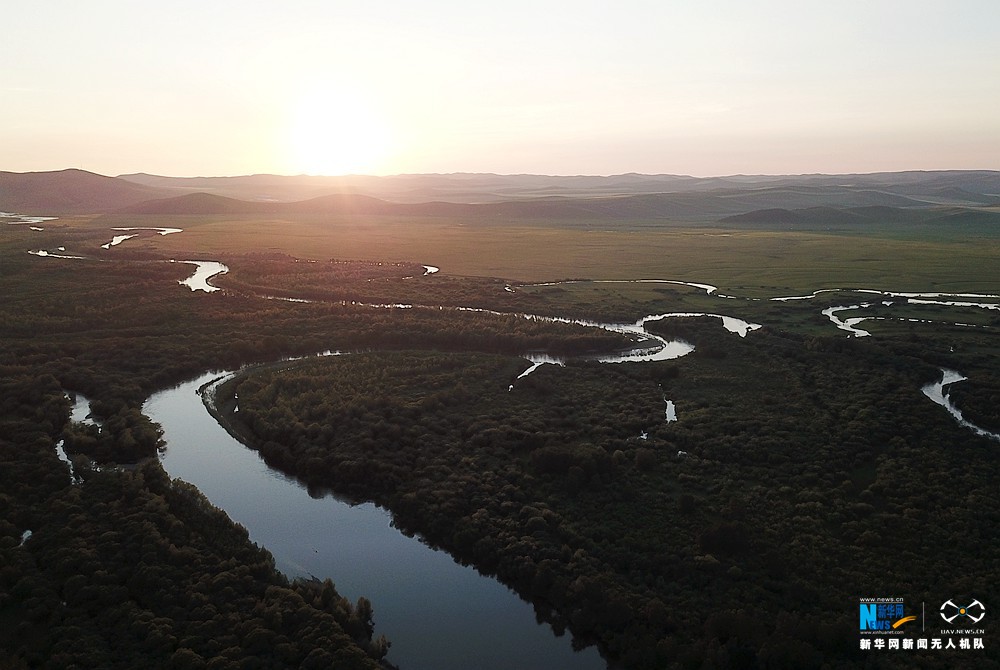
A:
[628,195]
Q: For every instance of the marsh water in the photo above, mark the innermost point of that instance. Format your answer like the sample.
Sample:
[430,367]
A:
[439,615]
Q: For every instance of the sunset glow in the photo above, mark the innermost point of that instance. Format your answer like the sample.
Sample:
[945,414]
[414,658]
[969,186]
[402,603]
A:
[333,132]
[771,87]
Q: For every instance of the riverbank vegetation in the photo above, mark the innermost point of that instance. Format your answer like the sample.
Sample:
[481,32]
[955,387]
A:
[804,470]
[127,569]
[123,546]
[774,486]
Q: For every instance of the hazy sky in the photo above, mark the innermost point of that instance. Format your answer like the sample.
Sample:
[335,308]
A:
[703,87]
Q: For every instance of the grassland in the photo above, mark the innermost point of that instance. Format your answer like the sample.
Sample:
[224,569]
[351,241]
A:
[761,263]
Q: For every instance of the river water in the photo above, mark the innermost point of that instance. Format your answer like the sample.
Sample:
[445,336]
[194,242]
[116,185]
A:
[936,393]
[439,615]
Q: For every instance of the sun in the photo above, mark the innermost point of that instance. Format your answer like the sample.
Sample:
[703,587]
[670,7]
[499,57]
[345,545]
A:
[334,132]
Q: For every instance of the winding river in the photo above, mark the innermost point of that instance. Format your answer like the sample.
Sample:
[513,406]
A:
[439,615]
[205,270]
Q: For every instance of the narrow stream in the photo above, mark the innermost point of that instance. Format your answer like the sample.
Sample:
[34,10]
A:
[936,392]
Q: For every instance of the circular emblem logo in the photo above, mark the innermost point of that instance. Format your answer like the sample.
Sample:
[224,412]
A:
[974,611]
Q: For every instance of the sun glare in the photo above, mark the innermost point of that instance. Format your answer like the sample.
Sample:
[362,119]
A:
[334,133]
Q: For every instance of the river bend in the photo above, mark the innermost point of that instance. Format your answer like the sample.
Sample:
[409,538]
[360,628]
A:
[439,615]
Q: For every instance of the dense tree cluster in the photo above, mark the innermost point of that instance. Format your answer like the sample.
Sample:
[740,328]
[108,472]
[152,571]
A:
[796,463]
[367,282]
[979,399]
[130,329]
[129,569]
[394,283]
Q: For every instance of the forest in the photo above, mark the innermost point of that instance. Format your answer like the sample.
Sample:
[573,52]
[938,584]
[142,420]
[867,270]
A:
[127,568]
[805,467]
[773,487]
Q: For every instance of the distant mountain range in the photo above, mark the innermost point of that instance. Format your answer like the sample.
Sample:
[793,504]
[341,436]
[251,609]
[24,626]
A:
[793,200]
[820,218]
[70,192]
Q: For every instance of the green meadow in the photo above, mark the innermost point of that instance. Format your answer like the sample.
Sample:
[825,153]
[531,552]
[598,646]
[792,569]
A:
[753,263]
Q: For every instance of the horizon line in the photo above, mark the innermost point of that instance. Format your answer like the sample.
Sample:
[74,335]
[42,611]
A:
[507,174]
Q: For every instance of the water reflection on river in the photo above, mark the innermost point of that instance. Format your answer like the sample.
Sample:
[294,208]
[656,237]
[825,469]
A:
[438,615]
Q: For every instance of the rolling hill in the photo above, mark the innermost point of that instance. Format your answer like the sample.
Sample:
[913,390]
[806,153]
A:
[812,200]
[693,207]
[957,187]
[69,192]
[841,218]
